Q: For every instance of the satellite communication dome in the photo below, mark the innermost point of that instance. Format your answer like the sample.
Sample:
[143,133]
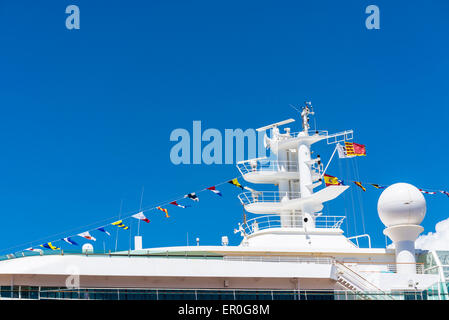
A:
[401,203]
[87,248]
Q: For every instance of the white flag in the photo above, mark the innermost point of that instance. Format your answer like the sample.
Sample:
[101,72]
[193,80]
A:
[87,236]
[141,216]
[342,152]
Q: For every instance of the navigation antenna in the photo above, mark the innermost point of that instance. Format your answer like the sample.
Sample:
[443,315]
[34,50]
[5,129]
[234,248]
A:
[306,110]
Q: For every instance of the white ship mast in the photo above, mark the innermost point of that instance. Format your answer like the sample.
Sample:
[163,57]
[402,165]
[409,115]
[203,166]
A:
[295,173]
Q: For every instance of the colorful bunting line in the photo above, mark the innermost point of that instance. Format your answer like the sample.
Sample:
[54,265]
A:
[193,196]
[427,192]
[329,180]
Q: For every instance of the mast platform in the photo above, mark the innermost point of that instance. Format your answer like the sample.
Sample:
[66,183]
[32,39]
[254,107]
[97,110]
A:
[265,202]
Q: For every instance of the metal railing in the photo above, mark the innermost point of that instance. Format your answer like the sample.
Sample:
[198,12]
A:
[260,165]
[340,137]
[279,221]
[48,293]
[267,196]
[380,267]
[310,133]
[356,238]
[292,259]
[119,254]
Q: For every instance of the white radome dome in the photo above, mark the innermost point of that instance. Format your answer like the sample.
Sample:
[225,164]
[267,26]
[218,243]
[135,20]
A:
[401,203]
[87,248]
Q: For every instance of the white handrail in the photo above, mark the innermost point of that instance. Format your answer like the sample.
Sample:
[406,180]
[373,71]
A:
[361,236]
[266,165]
[267,196]
[306,260]
[275,221]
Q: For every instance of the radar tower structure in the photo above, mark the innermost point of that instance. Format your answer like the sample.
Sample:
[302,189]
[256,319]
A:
[293,170]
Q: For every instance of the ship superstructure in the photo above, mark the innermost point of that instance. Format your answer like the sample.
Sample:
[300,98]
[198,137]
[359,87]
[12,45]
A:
[289,250]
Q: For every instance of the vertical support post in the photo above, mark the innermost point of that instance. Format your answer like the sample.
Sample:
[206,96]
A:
[305,180]
[284,187]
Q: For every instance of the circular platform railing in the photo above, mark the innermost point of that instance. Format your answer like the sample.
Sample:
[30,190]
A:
[265,165]
[277,221]
[267,196]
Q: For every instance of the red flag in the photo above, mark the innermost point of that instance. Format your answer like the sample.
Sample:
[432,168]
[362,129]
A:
[178,205]
[164,210]
[355,149]
[214,190]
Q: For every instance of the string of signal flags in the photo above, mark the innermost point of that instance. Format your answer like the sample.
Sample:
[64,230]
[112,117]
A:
[334,181]
[139,216]
[352,149]
[349,150]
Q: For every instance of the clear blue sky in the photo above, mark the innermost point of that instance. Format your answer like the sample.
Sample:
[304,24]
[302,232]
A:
[86,114]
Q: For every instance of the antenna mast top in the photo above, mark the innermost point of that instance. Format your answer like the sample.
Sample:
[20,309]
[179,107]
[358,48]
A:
[306,110]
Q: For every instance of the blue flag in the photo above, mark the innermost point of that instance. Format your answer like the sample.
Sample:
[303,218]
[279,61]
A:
[103,230]
[70,241]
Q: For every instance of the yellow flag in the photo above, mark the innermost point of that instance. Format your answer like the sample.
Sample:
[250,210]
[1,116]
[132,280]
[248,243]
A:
[49,245]
[120,224]
[164,210]
[360,185]
[236,183]
[331,180]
